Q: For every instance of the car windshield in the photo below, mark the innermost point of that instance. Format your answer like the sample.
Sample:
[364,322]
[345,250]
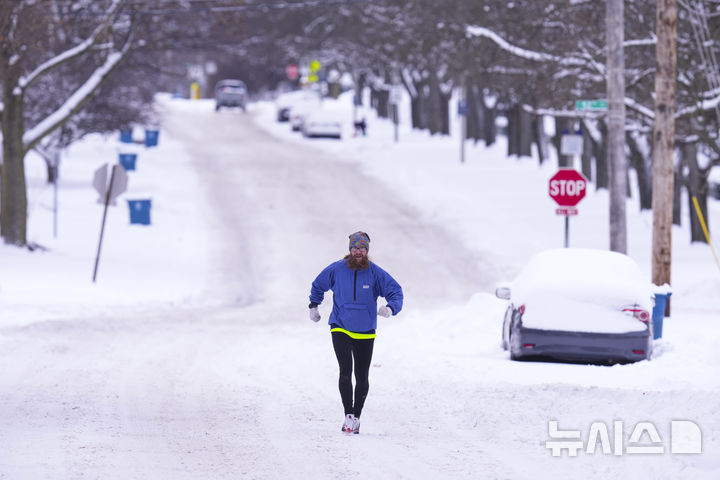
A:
[231,85]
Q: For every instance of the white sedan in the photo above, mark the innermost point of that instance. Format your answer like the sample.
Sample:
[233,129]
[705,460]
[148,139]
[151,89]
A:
[300,111]
[322,123]
[286,101]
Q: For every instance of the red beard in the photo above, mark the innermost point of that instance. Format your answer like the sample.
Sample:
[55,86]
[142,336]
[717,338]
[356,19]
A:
[357,263]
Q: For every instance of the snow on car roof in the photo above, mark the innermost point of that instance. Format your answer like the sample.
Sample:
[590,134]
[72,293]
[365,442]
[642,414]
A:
[230,81]
[325,115]
[595,276]
[288,99]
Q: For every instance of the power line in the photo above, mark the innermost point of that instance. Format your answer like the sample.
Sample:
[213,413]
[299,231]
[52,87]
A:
[193,7]
[198,7]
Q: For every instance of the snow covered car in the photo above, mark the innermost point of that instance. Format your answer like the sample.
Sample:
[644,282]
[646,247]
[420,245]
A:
[285,102]
[299,111]
[322,123]
[230,93]
[578,305]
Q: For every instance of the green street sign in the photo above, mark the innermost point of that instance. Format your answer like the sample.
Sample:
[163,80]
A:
[591,105]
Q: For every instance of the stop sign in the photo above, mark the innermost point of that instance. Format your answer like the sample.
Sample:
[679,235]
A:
[567,187]
[292,71]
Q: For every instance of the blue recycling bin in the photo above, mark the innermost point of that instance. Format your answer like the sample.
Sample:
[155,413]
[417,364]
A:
[463,108]
[127,160]
[139,211]
[151,138]
[126,136]
[658,313]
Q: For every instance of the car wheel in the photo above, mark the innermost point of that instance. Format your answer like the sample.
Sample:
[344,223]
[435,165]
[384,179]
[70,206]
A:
[506,328]
[513,353]
[514,345]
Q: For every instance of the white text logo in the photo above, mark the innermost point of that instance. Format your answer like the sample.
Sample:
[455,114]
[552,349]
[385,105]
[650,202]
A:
[685,437]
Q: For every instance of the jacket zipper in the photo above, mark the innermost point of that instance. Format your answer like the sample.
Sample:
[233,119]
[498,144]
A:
[355,287]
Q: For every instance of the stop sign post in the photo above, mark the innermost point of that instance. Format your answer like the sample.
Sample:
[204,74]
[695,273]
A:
[108,190]
[567,187]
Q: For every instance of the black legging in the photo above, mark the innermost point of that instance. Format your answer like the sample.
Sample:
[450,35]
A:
[346,349]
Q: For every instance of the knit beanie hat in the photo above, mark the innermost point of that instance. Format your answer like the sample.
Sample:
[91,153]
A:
[360,240]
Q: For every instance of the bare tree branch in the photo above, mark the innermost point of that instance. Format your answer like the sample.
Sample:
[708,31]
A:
[73,52]
[77,99]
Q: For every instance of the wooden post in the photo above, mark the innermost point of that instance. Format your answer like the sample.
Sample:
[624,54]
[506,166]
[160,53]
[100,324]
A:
[664,140]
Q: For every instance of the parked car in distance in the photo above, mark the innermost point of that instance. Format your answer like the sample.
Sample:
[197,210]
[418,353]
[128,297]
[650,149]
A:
[287,100]
[321,123]
[230,93]
[299,111]
[578,305]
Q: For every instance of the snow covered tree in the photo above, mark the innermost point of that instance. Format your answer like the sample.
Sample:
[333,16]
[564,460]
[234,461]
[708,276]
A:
[37,39]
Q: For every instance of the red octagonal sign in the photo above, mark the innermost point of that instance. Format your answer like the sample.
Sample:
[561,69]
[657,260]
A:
[567,187]
[292,71]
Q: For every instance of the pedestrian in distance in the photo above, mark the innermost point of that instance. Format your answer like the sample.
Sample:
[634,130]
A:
[356,283]
[360,126]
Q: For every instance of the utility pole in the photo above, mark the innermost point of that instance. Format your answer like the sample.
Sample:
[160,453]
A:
[56,175]
[462,112]
[614,18]
[664,140]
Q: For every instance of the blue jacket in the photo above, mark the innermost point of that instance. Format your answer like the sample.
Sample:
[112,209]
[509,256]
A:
[355,294]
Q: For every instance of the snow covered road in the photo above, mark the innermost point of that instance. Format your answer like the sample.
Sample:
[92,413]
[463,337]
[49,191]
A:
[244,385]
[284,212]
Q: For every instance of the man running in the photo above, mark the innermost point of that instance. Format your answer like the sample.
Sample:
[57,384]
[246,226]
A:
[356,283]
